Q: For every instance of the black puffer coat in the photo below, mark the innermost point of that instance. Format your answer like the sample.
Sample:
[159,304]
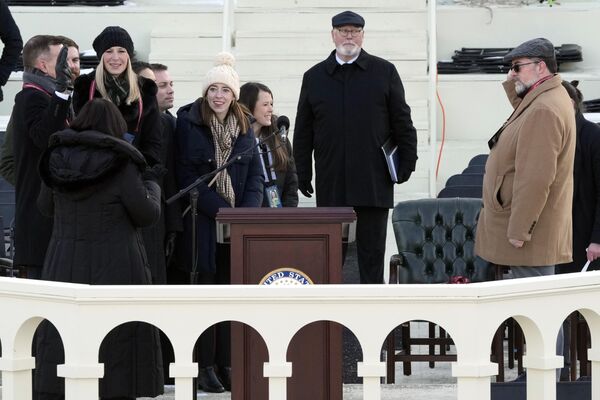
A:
[94,189]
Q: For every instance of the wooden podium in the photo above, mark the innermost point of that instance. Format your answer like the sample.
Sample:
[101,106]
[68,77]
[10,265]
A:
[306,239]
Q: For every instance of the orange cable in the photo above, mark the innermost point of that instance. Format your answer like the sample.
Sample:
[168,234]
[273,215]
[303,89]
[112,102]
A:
[437,168]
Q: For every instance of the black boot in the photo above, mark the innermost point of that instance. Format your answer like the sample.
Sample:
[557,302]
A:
[208,381]
[224,374]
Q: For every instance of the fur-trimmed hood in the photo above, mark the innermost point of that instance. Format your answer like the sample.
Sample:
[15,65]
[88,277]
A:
[76,162]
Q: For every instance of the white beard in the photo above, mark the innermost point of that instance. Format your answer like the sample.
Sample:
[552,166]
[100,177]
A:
[347,51]
[521,88]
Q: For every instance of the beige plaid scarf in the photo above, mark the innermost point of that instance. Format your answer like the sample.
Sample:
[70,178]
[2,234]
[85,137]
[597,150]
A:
[224,136]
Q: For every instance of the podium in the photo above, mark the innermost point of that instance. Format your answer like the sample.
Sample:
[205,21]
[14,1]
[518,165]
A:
[306,240]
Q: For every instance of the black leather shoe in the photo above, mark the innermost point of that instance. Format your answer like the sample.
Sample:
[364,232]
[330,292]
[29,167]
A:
[224,374]
[208,381]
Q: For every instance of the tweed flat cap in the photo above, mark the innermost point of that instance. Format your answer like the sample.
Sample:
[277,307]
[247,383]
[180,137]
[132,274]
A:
[539,47]
[347,18]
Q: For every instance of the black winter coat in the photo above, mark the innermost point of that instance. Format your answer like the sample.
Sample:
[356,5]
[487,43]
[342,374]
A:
[36,115]
[149,138]
[94,189]
[170,220]
[345,113]
[13,44]
[586,194]
[195,158]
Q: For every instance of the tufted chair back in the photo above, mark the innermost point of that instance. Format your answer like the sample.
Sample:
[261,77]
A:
[436,241]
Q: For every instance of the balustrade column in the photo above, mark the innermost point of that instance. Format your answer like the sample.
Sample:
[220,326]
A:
[541,376]
[277,374]
[594,357]
[184,375]
[81,380]
[16,377]
[371,372]
[473,380]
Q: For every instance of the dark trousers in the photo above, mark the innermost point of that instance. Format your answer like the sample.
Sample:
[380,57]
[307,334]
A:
[214,345]
[371,232]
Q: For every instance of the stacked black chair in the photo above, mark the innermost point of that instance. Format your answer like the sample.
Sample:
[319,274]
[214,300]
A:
[491,60]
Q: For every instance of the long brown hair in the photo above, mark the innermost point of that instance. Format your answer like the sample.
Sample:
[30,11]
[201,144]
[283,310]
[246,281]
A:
[249,97]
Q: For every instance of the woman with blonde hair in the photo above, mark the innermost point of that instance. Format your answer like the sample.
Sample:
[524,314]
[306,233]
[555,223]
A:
[210,131]
[134,96]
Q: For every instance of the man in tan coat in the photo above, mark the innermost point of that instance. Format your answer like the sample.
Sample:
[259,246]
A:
[525,222]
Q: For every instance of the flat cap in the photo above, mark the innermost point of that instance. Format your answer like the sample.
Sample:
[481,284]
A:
[539,47]
[347,18]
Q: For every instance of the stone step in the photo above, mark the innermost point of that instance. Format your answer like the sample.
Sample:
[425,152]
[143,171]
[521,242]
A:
[354,5]
[395,45]
[176,40]
[319,19]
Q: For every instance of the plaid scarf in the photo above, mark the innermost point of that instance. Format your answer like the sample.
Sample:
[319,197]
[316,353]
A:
[117,88]
[224,136]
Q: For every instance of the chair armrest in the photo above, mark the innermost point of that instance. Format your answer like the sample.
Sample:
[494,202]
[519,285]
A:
[395,263]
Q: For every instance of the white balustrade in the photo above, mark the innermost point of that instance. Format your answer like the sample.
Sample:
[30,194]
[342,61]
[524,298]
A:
[83,315]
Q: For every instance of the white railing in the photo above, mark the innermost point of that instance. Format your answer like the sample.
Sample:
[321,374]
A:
[471,314]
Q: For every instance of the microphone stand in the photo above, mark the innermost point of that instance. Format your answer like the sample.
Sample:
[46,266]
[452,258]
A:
[193,193]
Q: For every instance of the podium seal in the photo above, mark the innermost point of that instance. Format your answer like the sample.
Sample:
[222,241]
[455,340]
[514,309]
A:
[286,277]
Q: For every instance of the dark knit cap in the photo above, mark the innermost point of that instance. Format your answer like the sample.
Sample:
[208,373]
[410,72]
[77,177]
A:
[347,18]
[533,48]
[113,36]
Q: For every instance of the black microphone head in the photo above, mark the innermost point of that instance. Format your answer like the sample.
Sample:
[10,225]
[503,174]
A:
[283,122]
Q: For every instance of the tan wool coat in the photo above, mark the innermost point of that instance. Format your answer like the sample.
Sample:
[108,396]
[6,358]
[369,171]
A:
[528,181]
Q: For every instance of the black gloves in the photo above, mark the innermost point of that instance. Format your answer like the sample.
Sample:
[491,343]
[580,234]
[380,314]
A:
[403,175]
[64,79]
[306,188]
[154,173]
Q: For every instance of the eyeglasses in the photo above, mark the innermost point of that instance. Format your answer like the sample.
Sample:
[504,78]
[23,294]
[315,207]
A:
[517,67]
[351,32]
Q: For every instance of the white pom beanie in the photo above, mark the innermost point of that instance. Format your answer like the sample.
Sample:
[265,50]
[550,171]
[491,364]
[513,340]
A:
[224,73]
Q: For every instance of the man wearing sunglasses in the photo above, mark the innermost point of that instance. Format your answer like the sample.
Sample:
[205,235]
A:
[349,105]
[525,222]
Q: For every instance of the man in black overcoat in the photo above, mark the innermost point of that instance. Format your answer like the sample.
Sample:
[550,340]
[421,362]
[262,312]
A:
[586,190]
[40,109]
[13,44]
[349,105]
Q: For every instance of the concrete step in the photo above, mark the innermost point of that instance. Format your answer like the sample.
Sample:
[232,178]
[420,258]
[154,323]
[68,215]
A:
[347,4]
[396,44]
[175,40]
[319,19]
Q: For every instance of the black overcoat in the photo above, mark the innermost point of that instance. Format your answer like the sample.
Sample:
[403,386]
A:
[345,113]
[13,44]
[195,157]
[36,115]
[586,193]
[94,189]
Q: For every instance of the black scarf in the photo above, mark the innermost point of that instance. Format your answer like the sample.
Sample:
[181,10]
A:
[117,88]
[38,78]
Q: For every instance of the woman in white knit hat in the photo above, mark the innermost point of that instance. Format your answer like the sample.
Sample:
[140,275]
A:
[210,131]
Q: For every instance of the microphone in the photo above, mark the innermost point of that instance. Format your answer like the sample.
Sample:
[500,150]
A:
[283,124]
